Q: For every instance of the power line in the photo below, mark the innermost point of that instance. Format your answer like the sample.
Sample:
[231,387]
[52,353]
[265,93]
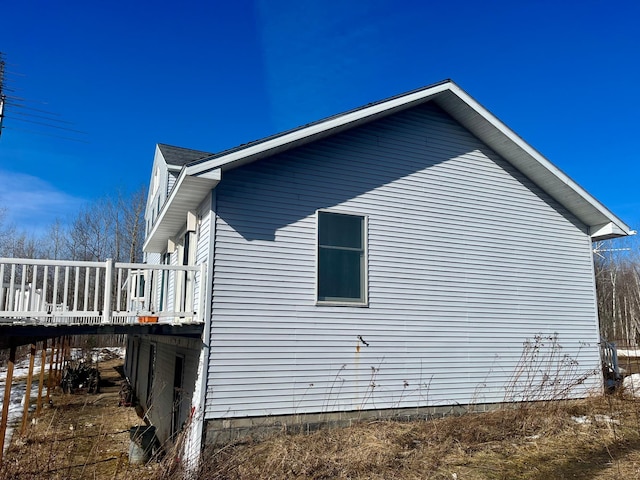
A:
[43,117]
[50,125]
[24,107]
[14,107]
[47,134]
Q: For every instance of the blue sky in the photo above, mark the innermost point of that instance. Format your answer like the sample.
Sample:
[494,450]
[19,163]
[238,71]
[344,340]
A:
[212,75]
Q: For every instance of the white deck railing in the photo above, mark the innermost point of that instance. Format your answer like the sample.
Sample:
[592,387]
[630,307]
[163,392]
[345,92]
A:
[73,292]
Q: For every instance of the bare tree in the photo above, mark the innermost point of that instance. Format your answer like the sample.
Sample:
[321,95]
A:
[55,241]
[617,266]
[131,211]
[110,227]
[7,233]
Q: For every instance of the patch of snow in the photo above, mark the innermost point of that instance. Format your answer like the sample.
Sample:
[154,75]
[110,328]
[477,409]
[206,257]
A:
[631,384]
[584,420]
[21,370]
[98,354]
[17,397]
[605,419]
[628,352]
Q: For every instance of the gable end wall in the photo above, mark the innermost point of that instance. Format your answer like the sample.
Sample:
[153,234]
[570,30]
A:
[467,259]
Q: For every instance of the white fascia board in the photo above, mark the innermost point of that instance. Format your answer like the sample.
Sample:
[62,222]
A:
[186,195]
[607,231]
[472,116]
[316,131]
[540,170]
[157,158]
[158,155]
[212,174]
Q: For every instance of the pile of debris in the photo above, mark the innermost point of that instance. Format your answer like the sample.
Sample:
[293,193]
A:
[80,377]
[127,398]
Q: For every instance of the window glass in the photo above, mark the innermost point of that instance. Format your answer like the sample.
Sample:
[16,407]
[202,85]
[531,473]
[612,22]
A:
[340,230]
[341,260]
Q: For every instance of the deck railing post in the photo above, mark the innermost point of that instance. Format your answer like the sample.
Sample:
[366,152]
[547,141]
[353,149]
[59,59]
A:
[108,281]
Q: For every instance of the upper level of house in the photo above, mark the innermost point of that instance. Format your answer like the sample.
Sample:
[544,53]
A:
[168,161]
[173,286]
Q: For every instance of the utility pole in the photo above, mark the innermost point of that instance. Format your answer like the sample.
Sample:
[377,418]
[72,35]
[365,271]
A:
[2,94]
[48,123]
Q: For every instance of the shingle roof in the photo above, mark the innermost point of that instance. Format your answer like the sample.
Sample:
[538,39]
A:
[181,156]
[202,174]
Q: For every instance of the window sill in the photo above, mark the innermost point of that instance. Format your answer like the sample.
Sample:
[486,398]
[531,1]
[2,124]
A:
[329,303]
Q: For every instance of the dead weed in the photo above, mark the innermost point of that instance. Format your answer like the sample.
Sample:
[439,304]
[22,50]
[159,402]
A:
[596,438]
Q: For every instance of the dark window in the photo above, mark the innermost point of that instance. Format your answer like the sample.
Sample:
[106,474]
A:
[341,258]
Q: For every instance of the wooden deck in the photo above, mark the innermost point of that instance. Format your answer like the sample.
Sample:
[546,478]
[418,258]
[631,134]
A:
[46,298]
[16,334]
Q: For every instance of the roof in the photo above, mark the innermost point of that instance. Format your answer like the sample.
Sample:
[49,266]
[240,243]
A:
[179,156]
[447,95]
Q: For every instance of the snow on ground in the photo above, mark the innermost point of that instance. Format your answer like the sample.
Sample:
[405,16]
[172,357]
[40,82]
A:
[628,352]
[20,372]
[632,384]
[107,353]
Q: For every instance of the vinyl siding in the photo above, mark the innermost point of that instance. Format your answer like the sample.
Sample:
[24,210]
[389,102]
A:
[171,181]
[152,258]
[159,410]
[155,200]
[203,235]
[467,259]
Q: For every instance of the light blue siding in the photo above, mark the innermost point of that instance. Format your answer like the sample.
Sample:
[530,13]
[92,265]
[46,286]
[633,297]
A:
[467,259]
[203,238]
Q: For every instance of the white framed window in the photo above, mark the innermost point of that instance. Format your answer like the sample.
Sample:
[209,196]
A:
[341,259]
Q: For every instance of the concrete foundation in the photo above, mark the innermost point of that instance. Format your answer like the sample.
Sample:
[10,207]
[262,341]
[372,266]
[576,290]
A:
[223,431]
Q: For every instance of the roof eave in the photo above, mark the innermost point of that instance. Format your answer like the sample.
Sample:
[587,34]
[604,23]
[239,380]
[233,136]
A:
[463,108]
[317,131]
[186,196]
[607,231]
[529,161]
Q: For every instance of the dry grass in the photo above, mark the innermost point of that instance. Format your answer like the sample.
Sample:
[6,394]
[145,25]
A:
[541,441]
[597,438]
[80,436]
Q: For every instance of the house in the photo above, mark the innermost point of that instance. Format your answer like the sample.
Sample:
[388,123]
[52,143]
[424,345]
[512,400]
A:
[407,256]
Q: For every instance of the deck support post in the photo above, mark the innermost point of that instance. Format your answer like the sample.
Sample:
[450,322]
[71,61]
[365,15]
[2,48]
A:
[66,353]
[50,379]
[56,367]
[43,365]
[7,398]
[27,393]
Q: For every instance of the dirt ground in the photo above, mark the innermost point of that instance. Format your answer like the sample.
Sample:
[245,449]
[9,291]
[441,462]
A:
[84,436]
[79,436]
